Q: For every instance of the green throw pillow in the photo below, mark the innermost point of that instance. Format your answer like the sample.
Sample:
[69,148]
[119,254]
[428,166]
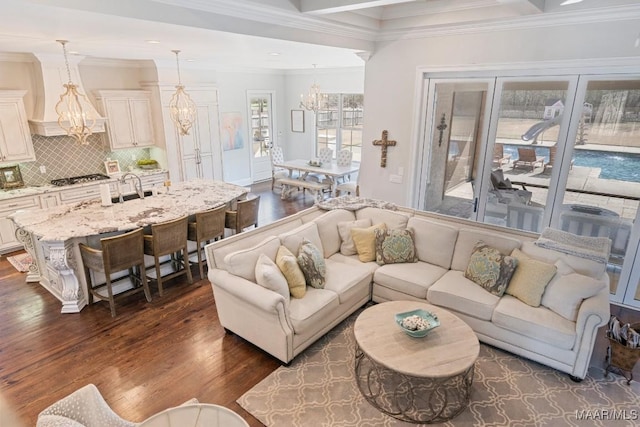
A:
[311,261]
[490,269]
[395,246]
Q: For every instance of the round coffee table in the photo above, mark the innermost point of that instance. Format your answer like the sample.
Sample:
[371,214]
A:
[419,380]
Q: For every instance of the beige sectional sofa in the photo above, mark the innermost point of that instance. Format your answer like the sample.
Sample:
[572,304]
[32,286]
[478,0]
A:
[560,333]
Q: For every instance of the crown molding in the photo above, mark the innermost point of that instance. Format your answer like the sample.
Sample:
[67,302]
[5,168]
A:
[117,63]
[621,13]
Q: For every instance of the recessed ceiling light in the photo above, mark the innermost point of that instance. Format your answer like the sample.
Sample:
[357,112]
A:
[153,41]
[567,2]
[190,60]
[274,53]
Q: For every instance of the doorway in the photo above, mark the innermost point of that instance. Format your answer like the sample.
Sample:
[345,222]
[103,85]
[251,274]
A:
[261,133]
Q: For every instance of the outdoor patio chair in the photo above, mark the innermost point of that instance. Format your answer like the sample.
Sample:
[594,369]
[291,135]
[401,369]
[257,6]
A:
[525,217]
[553,150]
[499,158]
[527,158]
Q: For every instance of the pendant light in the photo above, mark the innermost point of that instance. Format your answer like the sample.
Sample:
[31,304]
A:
[181,107]
[75,113]
[314,98]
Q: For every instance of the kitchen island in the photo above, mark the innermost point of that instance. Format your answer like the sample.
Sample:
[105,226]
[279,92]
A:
[52,235]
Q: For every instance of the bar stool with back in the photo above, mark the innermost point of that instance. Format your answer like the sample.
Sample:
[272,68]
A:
[119,253]
[245,215]
[169,238]
[208,226]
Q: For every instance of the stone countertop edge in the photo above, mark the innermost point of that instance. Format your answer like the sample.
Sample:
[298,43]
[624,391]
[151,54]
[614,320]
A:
[47,188]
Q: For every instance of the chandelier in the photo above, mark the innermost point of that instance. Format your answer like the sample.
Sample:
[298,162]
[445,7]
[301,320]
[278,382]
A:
[181,107]
[314,99]
[75,114]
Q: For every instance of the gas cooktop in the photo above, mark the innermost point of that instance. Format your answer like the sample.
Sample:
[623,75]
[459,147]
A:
[78,179]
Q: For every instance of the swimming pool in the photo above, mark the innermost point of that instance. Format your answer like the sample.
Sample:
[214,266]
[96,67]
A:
[620,166]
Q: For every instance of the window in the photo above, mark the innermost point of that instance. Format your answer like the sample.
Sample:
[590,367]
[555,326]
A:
[339,123]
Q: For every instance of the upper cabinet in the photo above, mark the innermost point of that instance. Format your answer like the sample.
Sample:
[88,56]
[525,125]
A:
[129,119]
[15,139]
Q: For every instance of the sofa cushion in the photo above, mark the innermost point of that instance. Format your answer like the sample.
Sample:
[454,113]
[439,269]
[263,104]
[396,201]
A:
[411,279]
[371,266]
[395,246]
[347,247]
[268,275]
[312,264]
[490,269]
[580,265]
[467,240]
[394,220]
[566,291]
[313,310]
[456,292]
[243,262]
[538,323]
[347,280]
[288,264]
[530,279]
[365,241]
[434,242]
[293,239]
[328,229]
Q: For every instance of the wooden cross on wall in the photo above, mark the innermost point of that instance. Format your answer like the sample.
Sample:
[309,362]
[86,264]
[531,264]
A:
[384,143]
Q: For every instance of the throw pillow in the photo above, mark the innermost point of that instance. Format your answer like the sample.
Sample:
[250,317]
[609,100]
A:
[530,279]
[490,269]
[312,264]
[269,276]
[395,246]
[365,241]
[565,292]
[347,247]
[288,264]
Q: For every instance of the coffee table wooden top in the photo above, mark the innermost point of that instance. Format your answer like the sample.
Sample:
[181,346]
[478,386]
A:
[447,350]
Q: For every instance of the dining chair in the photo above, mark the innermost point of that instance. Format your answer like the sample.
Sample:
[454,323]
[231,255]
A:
[169,238]
[208,226]
[245,215]
[277,156]
[84,407]
[123,252]
[344,157]
[325,155]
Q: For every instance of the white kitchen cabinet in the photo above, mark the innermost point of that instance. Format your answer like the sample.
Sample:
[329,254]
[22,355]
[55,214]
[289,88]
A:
[80,194]
[199,154]
[129,118]
[50,200]
[8,241]
[15,139]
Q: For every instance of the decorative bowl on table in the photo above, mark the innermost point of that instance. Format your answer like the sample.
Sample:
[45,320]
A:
[315,163]
[417,323]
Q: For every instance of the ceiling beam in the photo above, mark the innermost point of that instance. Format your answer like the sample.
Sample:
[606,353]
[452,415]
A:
[315,7]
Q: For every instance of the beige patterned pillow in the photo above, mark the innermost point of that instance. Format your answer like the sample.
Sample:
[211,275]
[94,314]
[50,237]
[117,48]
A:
[490,269]
[530,279]
[311,262]
[395,246]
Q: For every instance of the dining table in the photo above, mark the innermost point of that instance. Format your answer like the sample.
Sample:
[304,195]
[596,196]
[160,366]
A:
[332,171]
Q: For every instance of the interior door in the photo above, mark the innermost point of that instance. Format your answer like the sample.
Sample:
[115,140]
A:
[261,128]
[457,135]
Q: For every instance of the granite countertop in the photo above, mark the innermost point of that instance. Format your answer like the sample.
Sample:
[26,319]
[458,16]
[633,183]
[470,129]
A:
[90,218]
[47,188]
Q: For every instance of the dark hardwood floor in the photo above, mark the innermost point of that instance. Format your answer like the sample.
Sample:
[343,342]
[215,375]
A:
[148,358]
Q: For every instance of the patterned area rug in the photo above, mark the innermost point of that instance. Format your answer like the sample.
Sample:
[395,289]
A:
[319,389]
[20,262]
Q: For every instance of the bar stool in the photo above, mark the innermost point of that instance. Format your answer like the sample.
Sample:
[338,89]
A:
[169,238]
[119,253]
[245,215]
[208,226]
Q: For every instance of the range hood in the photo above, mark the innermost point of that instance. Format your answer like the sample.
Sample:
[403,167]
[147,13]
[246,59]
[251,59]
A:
[50,76]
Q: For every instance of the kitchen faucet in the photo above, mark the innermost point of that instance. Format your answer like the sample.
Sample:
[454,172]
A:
[138,185]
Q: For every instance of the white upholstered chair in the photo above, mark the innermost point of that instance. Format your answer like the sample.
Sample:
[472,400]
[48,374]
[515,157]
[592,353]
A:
[277,156]
[344,157]
[84,407]
[325,155]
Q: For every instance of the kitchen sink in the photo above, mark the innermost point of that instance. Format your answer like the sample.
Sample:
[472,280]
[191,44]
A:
[130,196]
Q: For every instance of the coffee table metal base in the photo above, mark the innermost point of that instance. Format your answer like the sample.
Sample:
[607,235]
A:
[412,399]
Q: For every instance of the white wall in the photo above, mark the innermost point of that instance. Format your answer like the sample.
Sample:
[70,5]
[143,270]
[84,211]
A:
[390,82]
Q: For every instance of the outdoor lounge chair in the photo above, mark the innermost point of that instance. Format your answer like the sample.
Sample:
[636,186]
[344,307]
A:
[499,158]
[552,158]
[527,157]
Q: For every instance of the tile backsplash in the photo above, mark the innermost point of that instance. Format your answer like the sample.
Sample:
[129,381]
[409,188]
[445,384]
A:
[64,157]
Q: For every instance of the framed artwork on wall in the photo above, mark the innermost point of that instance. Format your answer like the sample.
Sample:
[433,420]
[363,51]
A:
[231,131]
[10,177]
[112,167]
[297,121]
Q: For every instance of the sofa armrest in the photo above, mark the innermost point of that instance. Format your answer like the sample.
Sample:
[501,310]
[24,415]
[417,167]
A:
[594,312]
[252,293]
